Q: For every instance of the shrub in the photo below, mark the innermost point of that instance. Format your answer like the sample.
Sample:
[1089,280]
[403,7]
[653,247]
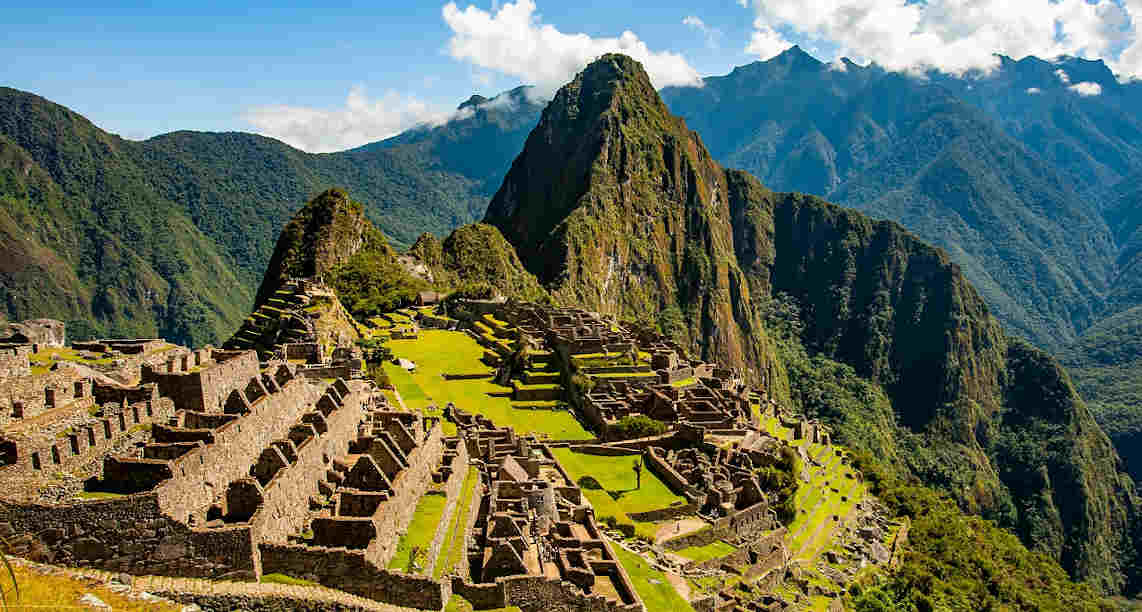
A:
[637,426]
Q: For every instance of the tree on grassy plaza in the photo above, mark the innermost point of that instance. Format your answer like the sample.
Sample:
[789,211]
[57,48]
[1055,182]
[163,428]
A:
[637,467]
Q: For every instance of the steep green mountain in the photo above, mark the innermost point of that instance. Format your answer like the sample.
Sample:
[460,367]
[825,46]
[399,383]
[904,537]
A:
[90,241]
[169,236]
[978,165]
[615,205]
[474,256]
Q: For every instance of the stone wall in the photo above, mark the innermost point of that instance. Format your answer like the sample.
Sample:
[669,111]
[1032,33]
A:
[37,394]
[452,488]
[201,476]
[14,362]
[549,595]
[747,523]
[394,515]
[353,572]
[127,534]
[759,549]
[203,388]
[286,497]
[90,437]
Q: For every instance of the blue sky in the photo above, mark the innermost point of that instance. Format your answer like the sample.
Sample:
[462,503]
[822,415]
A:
[326,78]
[138,71]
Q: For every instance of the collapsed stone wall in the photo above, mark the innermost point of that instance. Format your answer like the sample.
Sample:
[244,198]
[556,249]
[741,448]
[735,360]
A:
[353,572]
[127,534]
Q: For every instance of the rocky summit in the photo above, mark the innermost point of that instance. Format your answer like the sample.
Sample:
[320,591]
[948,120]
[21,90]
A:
[643,382]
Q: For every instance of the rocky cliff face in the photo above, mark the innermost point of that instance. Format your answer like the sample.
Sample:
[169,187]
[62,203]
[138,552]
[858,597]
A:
[1000,425]
[615,205]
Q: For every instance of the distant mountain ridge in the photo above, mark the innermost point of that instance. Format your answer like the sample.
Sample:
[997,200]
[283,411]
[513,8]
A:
[995,168]
[170,236]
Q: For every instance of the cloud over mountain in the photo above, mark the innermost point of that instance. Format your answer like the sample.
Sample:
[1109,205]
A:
[953,35]
[512,40]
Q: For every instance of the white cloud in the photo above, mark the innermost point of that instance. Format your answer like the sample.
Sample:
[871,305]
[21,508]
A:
[511,39]
[1086,88]
[711,34]
[360,121]
[765,42]
[1034,90]
[956,35]
[1063,76]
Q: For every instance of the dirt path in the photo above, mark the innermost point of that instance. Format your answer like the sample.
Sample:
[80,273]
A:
[679,583]
[677,528]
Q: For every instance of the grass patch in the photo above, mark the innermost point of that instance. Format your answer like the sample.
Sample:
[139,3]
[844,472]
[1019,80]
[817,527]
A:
[459,604]
[436,352]
[617,477]
[420,531]
[98,495]
[707,552]
[286,579]
[685,382]
[40,592]
[452,552]
[652,586]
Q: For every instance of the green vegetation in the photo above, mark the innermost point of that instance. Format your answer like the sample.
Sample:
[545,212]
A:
[652,585]
[958,562]
[169,236]
[452,550]
[610,485]
[480,263]
[437,352]
[637,426]
[429,511]
[286,579]
[713,550]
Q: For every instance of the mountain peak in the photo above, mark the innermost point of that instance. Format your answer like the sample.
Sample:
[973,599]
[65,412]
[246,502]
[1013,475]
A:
[474,101]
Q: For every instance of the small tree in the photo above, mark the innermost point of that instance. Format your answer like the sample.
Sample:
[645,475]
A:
[637,467]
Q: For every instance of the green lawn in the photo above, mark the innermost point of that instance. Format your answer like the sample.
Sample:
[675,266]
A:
[437,352]
[619,495]
[707,552]
[651,584]
[617,477]
[420,531]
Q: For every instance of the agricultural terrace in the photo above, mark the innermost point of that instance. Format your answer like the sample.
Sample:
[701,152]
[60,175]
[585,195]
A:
[619,494]
[437,352]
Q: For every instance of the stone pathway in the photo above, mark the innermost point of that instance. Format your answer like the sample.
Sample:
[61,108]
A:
[171,588]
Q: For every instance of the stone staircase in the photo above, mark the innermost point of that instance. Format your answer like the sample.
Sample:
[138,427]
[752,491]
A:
[280,320]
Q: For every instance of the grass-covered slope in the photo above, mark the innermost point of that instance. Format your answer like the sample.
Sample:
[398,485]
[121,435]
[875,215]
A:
[170,236]
[89,241]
